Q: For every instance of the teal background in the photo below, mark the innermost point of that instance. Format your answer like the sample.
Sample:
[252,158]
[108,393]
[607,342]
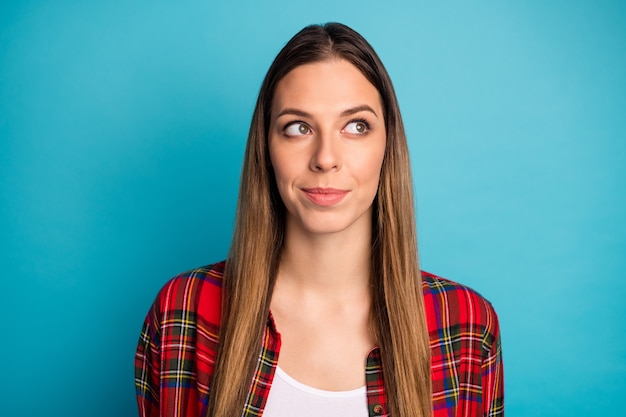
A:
[122,128]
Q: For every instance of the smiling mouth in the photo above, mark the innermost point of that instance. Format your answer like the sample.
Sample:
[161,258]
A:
[324,196]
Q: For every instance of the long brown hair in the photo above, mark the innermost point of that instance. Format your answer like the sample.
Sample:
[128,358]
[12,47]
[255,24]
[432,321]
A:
[398,316]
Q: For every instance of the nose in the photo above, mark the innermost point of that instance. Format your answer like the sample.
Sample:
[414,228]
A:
[326,154]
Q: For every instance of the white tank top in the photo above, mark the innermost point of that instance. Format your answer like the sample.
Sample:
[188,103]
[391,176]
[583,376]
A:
[289,398]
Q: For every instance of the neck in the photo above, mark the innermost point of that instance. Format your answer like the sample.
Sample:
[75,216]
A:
[334,263]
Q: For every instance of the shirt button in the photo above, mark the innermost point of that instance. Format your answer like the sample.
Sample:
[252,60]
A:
[378,409]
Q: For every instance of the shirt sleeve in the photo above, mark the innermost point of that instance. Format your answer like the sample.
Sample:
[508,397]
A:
[493,371]
[147,365]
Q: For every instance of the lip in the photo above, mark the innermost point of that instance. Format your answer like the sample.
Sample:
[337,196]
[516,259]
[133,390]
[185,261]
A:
[324,197]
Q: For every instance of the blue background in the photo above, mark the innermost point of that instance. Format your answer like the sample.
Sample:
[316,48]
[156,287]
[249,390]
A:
[122,129]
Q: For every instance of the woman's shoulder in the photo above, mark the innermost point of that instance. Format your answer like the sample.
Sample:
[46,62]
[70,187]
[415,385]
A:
[198,290]
[450,304]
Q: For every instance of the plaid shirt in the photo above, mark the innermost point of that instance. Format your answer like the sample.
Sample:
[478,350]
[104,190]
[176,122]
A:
[179,340]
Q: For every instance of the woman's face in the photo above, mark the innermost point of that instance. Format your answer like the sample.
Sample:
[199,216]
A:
[327,143]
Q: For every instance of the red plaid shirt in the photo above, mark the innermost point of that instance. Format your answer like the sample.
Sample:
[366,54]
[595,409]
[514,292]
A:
[178,344]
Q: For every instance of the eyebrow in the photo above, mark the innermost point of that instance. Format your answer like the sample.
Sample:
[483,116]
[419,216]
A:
[344,113]
[357,109]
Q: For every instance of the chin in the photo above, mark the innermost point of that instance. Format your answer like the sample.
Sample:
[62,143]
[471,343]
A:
[328,225]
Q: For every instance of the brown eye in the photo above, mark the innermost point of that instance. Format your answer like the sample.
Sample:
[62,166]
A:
[297,129]
[357,127]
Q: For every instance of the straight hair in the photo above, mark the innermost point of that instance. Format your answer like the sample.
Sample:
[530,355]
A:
[398,317]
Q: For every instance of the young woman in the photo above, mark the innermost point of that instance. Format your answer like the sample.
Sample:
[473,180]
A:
[321,309]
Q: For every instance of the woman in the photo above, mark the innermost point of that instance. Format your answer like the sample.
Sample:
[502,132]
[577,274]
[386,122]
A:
[321,308]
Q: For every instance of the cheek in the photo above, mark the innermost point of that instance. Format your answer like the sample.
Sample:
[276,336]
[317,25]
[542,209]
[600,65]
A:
[277,168]
[281,168]
[373,165]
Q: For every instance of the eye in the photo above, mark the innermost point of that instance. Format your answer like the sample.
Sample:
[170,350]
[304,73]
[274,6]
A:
[297,129]
[357,127]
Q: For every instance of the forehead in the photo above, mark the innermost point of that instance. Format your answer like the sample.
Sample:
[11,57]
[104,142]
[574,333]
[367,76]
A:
[332,84]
